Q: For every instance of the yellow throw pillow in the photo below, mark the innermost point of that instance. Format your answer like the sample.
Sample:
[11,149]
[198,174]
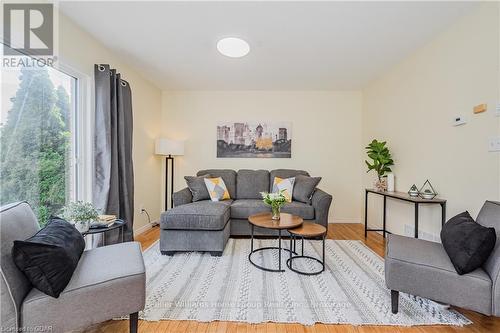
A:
[284,185]
[217,189]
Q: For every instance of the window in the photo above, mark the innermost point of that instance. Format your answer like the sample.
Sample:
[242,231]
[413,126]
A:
[38,148]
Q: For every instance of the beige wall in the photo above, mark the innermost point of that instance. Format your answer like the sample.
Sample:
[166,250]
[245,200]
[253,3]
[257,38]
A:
[412,107]
[326,136]
[80,51]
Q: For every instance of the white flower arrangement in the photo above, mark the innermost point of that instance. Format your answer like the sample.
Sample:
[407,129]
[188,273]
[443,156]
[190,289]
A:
[275,200]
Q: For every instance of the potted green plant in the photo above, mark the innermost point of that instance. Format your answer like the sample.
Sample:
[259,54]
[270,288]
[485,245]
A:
[81,214]
[276,201]
[381,162]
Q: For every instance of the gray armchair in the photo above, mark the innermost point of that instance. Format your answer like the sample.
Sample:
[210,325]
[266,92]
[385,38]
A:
[423,268]
[101,288]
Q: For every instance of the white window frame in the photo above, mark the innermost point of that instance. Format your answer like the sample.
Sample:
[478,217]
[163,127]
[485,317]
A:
[82,130]
[82,134]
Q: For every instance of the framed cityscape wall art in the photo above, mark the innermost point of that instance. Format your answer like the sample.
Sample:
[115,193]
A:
[253,139]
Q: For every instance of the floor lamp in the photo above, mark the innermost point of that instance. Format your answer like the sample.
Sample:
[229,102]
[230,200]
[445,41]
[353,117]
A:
[169,149]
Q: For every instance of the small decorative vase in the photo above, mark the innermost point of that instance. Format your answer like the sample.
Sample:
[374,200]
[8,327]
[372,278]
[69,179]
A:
[381,185]
[276,212]
[82,226]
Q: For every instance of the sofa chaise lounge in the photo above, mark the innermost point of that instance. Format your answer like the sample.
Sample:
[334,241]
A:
[206,225]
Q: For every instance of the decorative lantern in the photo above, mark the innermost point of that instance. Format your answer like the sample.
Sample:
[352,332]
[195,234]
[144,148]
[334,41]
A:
[413,192]
[427,191]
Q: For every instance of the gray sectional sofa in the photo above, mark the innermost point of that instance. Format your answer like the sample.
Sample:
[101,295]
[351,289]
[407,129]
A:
[206,225]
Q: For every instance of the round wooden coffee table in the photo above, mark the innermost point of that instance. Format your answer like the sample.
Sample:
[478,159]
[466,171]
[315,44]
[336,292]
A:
[306,230]
[264,220]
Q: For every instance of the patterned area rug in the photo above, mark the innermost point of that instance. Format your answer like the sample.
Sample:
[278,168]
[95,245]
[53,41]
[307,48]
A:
[197,286]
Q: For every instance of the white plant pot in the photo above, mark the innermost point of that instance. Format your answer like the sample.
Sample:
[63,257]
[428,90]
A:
[81,226]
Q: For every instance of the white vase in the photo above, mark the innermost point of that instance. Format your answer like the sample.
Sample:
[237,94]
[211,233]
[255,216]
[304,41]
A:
[390,182]
[82,226]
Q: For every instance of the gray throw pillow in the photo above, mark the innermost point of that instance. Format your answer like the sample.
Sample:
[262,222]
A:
[197,187]
[304,188]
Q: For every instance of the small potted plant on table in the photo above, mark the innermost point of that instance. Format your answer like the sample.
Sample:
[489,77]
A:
[276,201]
[80,214]
[381,162]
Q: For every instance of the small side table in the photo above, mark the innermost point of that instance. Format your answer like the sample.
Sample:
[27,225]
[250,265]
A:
[404,197]
[306,230]
[119,224]
[264,220]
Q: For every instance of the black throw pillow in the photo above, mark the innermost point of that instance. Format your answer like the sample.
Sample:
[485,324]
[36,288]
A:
[467,243]
[49,258]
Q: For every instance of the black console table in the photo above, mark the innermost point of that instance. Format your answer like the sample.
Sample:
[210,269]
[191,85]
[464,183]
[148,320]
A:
[404,197]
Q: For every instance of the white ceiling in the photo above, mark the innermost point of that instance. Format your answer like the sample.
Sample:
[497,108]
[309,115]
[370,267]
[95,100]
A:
[294,45]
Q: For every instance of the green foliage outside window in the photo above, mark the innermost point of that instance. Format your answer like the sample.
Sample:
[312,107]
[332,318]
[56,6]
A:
[34,145]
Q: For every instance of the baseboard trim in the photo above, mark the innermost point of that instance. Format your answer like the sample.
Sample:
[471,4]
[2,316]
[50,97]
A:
[148,226]
[345,220]
[145,228]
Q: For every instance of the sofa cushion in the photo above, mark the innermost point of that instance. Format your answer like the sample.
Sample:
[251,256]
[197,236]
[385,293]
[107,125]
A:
[284,173]
[304,188]
[108,282]
[200,215]
[217,189]
[422,268]
[284,186]
[467,243]
[229,177]
[249,183]
[197,187]
[50,257]
[243,208]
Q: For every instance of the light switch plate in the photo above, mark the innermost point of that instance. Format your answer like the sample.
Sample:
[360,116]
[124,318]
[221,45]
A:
[494,144]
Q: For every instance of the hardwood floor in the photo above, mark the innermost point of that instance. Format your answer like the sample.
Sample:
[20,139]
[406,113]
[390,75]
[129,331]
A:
[482,324]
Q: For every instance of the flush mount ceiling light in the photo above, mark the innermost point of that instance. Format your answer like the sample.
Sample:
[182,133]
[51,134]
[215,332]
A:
[233,47]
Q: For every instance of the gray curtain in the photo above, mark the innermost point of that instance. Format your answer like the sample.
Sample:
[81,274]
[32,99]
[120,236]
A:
[113,189]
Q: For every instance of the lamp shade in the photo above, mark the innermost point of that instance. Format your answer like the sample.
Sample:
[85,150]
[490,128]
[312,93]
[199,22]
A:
[169,147]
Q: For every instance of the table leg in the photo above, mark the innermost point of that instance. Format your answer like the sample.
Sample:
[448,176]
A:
[323,252]
[279,249]
[302,245]
[366,213]
[291,249]
[443,213]
[384,216]
[416,220]
[251,241]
